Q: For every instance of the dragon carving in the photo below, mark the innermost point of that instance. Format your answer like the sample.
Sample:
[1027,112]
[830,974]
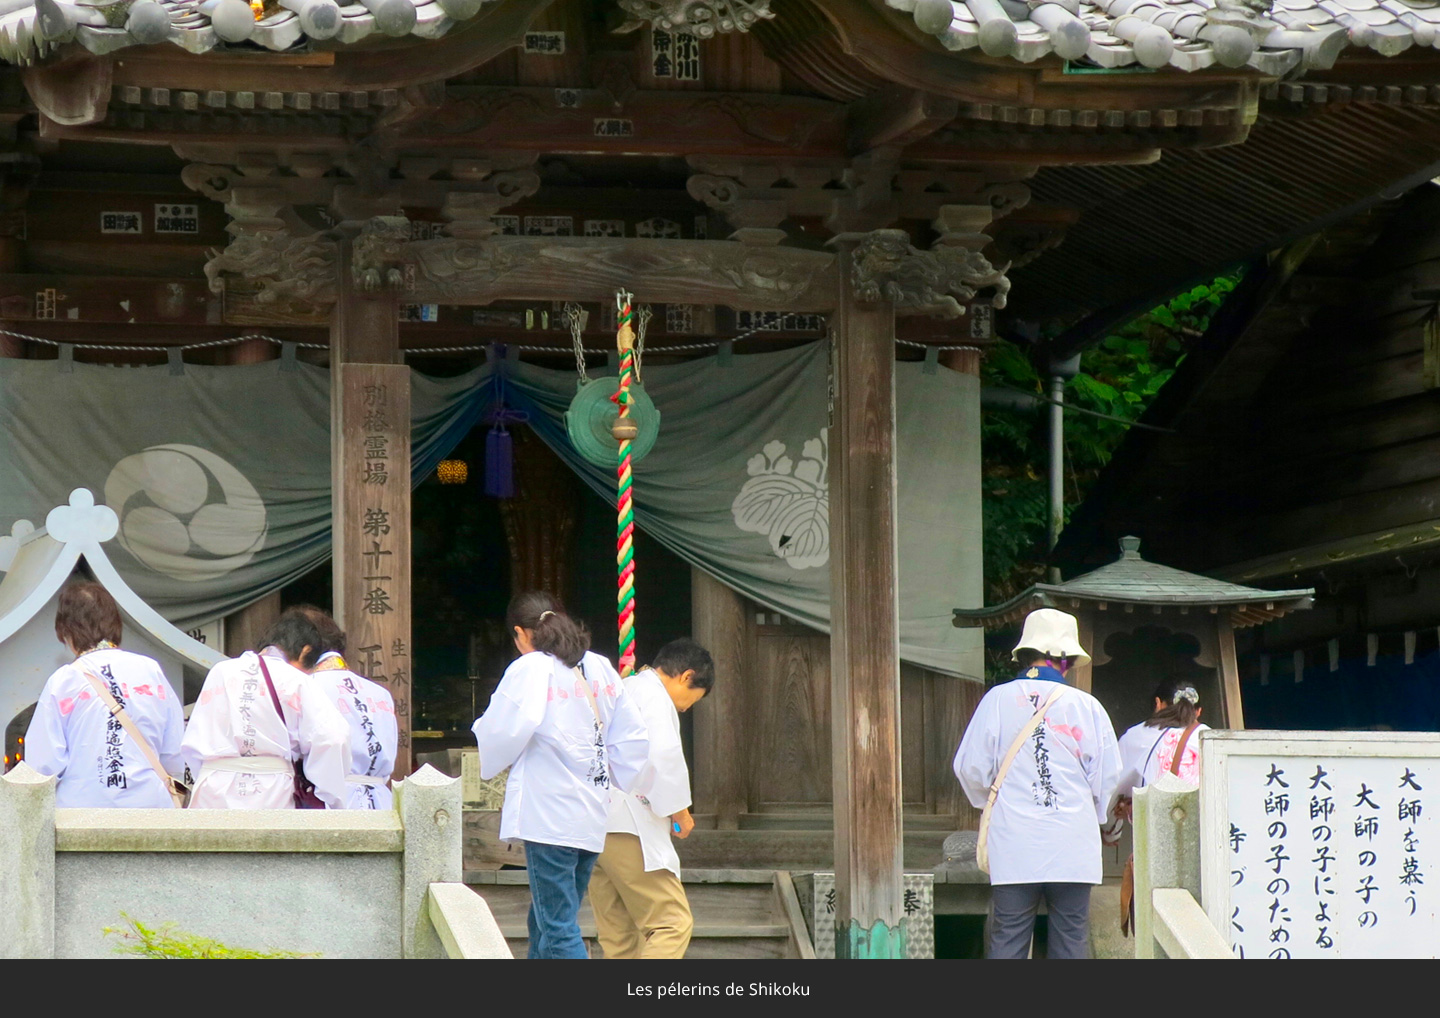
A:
[885,266]
[289,271]
[377,256]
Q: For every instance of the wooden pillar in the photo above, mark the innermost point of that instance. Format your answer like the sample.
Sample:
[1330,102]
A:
[11,260]
[253,351]
[718,625]
[1082,675]
[370,475]
[1229,675]
[864,630]
[244,628]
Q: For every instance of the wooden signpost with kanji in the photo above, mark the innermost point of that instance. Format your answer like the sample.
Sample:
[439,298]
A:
[373,540]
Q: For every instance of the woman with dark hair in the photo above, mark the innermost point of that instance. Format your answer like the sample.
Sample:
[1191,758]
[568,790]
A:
[1164,743]
[1148,750]
[108,725]
[259,716]
[562,722]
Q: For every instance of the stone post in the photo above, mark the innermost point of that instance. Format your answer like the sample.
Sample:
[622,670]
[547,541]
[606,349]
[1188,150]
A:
[1167,851]
[27,853]
[429,806]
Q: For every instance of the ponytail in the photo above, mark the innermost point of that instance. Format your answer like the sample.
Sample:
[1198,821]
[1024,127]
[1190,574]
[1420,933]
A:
[1181,705]
[552,631]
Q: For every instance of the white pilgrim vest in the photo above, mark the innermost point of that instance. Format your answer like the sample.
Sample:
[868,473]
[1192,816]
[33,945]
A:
[235,717]
[369,710]
[73,737]
[1045,826]
[540,725]
[665,774]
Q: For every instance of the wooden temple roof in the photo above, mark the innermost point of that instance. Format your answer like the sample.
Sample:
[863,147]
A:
[1296,437]
[1131,581]
[808,119]
[1273,36]
[1191,35]
[32,30]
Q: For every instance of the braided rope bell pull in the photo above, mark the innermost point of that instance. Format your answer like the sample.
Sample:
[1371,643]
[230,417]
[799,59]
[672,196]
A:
[625,431]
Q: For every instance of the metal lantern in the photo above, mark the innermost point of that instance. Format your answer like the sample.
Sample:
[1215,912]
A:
[452,472]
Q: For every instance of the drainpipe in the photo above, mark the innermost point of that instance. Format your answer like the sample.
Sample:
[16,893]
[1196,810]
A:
[1060,373]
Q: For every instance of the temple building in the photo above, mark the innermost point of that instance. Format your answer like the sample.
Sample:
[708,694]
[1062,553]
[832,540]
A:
[265,266]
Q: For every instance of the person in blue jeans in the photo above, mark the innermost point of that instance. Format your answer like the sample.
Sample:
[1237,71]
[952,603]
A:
[562,722]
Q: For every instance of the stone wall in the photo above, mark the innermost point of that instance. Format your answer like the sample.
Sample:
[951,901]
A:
[333,883]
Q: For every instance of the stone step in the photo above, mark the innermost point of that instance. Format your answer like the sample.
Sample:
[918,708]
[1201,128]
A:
[700,947]
[796,850]
[737,913]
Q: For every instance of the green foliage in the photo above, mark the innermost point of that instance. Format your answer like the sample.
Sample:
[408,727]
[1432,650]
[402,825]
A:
[167,942]
[1118,376]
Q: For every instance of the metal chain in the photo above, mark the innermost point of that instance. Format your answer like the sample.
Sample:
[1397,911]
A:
[576,316]
[643,320]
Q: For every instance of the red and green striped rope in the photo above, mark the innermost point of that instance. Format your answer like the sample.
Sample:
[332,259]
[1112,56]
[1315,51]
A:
[625,509]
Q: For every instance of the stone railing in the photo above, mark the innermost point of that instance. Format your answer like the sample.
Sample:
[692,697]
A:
[1169,921]
[337,884]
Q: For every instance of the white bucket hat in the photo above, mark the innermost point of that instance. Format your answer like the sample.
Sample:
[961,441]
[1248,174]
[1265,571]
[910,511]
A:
[1053,633]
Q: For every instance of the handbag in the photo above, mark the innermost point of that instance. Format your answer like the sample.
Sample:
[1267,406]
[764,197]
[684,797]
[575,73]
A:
[305,797]
[1127,880]
[177,789]
[982,853]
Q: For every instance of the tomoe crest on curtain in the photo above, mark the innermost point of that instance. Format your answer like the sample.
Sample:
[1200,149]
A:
[789,502]
[186,512]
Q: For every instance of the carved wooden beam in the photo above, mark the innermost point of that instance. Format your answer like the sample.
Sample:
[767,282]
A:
[704,18]
[748,126]
[649,122]
[73,91]
[897,116]
[742,276]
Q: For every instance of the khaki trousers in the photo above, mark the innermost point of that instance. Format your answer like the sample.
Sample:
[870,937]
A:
[638,914]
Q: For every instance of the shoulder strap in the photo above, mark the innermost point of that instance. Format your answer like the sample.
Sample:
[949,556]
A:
[982,855]
[118,713]
[1180,748]
[590,696]
[274,696]
[1025,732]
[1151,755]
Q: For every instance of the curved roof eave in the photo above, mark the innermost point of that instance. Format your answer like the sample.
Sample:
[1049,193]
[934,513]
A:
[1271,36]
[44,559]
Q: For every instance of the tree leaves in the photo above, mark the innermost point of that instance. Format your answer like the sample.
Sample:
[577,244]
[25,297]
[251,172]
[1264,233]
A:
[1119,376]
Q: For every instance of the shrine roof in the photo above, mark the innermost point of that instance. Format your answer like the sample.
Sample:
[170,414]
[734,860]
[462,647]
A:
[1273,36]
[1131,580]
[32,30]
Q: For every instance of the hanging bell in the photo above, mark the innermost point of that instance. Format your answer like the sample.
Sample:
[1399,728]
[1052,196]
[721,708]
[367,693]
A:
[499,463]
[590,422]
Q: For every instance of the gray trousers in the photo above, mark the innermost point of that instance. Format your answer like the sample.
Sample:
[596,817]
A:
[1012,920]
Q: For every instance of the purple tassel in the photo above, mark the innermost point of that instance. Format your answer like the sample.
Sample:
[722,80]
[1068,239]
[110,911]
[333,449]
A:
[499,464]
